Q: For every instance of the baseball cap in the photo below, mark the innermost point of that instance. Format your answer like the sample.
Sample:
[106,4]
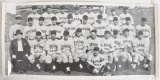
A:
[96,48]
[99,17]
[128,19]
[115,32]
[140,32]
[41,18]
[62,7]
[66,32]
[79,30]
[143,19]
[115,19]
[34,7]
[53,32]
[125,30]
[30,19]
[106,32]
[18,17]
[94,31]
[18,32]
[38,33]
[112,10]
[54,18]
[69,16]
[85,17]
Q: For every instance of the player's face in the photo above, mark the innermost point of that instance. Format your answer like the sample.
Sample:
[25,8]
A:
[128,22]
[89,9]
[96,53]
[115,22]
[76,12]
[125,11]
[84,21]
[19,36]
[93,35]
[143,23]
[38,38]
[101,9]
[79,34]
[34,11]
[113,13]
[62,11]
[41,23]
[100,20]
[53,36]
[66,37]
[49,10]
[54,22]
[70,20]
[18,21]
[126,34]
[107,36]
[30,23]
[140,36]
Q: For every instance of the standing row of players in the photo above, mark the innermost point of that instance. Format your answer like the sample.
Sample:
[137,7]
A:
[96,44]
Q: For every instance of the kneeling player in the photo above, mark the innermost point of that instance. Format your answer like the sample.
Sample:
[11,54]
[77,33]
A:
[96,61]
[80,56]
[38,55]
[141,48]
[53,60]
[67,48]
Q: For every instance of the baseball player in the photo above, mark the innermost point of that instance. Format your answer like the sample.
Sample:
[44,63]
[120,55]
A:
[90,14]
[67,49]
[86,28]
[115,26]
[53,59]
[104,15]
[108,49]
[59,30]
[113,14]
[62,16]
[70,25]
[38,56]
[93,42]
[29,31]
[124,15]
[81,44]
[145,28]
[141,48]
[34,15]
[100,26]
[77,17]
[42,28]
[131,28]
[15,27]
[96,61]
[48,15]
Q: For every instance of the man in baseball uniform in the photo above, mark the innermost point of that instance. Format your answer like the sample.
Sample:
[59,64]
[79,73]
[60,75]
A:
[93,42]
[70,26]
[17,26]
[141,48]
[48,15]
[59,30]
[81,44]
[113,14]
[86,28]
[34,15]
[91,15]
[132,32]
[124,15]
[30,31]
[53,59]
[42,28]
[38,55]
[96,61]
[62,16]
[67,49]
[77,17]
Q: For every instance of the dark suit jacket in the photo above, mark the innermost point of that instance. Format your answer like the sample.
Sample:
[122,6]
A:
[14,47]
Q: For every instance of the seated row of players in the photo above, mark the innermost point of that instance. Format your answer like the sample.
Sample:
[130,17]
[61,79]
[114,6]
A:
[92,55]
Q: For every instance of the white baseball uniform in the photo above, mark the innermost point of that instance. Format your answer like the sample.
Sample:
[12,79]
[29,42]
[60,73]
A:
[35,18]
[91,17]
[59,30]
[123,18]
[131,28]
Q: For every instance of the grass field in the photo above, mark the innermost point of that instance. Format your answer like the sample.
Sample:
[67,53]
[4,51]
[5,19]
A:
[137,15]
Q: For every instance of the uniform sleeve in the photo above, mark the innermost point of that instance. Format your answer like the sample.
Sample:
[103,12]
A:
[11,33]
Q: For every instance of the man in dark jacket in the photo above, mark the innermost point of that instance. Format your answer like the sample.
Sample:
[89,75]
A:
[19,51]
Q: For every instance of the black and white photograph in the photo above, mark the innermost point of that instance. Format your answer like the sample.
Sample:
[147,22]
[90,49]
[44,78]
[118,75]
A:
[80,39]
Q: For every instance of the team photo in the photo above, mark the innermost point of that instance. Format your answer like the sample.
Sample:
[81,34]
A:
[81,40]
